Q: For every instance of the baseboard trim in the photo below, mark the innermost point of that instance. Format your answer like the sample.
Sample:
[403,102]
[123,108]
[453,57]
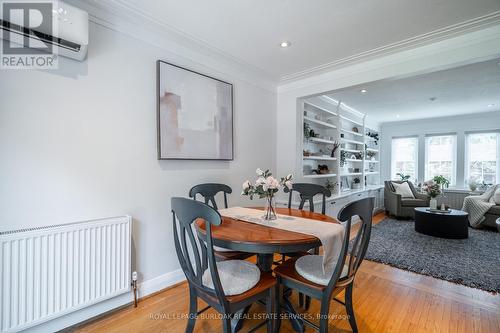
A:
[160,282]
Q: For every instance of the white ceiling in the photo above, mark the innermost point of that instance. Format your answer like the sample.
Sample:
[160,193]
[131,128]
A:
[322,32]
[461,90]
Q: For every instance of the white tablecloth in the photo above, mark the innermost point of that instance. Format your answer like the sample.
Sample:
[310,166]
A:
[331,235]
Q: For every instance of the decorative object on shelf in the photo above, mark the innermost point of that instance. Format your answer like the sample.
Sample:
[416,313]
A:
[403,177]
[350,169]
[342,158]
[442,181]
[335,146]
[307,130]
[341,135]
[321,170]
[266,186]
[370,154]
[359,156]
[179,93]
[433,189]
[306,153]
[374,136]
[356,170]
[353,157]
[355,129]
[344,185]
[356,183]
[331,185]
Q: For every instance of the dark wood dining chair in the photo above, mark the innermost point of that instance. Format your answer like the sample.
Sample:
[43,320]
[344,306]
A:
[226,286]
[307,192]
[325,286]
[208,191]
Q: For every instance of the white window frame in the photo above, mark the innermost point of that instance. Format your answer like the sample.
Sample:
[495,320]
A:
[466,157]
[453,180]
[393,154]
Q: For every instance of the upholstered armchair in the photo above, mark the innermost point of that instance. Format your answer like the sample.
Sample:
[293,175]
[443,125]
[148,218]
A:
[401,207]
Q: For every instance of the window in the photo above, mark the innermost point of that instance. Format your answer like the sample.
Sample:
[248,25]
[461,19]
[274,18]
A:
[404,157]
[441,157]
[481,158]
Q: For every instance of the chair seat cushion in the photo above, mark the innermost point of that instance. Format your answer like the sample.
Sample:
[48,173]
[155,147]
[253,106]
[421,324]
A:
[413,203]
[236,276]
[311,268]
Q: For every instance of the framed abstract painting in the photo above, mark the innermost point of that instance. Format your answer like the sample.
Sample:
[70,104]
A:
[194,115]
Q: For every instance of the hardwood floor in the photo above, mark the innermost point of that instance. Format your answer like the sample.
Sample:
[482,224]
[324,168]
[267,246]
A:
[386,299]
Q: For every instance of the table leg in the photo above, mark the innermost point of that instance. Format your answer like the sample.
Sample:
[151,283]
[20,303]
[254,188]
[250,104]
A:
[265,262]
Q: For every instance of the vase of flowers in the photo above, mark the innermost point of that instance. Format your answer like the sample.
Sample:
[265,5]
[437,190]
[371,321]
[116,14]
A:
[266,187]
[433,189]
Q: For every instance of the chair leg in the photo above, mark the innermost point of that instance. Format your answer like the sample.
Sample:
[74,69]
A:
[271,310]
[323,319]
[193,309]
[307,303]
[301,300]
[226,325]
[349,308]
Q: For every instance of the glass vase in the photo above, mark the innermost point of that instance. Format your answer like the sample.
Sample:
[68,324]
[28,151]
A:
[433,203]
[270,212]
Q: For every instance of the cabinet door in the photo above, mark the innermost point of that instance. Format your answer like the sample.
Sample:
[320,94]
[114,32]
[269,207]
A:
[334,206]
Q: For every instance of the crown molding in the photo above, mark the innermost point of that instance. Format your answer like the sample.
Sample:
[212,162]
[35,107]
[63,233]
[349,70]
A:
[409,43]
[121,17]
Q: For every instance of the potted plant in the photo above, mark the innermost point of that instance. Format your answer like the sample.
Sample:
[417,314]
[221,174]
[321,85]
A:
[266,186]
[433,189]
[403,177]
[356,183]
[441,181]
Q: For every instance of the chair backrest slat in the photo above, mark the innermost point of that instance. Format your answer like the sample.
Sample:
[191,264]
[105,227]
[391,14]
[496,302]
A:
[307,191]
[208,191]
[362,208]
[185,213]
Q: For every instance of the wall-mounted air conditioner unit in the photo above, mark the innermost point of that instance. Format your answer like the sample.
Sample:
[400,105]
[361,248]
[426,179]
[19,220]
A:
[67,33]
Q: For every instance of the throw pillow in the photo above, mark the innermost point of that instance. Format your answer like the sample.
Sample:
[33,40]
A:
[403,189]
[496,196]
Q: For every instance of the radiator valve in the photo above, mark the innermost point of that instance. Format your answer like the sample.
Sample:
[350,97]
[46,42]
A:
[134,286]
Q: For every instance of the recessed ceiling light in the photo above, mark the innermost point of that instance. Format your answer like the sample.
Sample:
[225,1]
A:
[491,105]
[363,91]
[285,44]
[397,116]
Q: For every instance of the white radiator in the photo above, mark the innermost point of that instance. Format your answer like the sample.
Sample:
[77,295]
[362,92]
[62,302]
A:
[50,271]
[454,199]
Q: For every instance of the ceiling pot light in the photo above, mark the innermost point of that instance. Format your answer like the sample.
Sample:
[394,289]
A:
[397,116]
[491,105]
[285,44]
[363,91]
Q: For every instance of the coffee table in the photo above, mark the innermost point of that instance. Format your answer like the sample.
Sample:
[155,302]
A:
[453,225]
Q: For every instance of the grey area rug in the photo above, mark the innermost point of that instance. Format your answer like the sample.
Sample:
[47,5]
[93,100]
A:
[473,262]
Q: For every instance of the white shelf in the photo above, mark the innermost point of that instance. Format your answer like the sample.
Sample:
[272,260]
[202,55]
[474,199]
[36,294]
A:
[319,122]
[352,141]
[372,161]
[320,108]
[321,175]
[351,150]
[372,149]
[320,158]
[350,132]
[351,174]
[351,120]
[371,173]
[353,160]
[322,140]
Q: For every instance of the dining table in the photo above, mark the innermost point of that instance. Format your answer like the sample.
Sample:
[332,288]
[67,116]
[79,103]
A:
[265,241]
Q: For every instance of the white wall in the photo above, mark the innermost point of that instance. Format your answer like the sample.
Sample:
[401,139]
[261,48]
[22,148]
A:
[459,125]
[80,143]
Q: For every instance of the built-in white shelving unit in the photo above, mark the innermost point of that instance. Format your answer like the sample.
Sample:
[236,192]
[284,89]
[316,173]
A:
[355,165]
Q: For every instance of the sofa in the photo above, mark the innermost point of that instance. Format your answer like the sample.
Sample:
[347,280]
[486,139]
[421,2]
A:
[491,216]
[400,207]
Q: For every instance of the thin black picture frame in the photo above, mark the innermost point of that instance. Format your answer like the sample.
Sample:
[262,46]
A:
[159,157]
